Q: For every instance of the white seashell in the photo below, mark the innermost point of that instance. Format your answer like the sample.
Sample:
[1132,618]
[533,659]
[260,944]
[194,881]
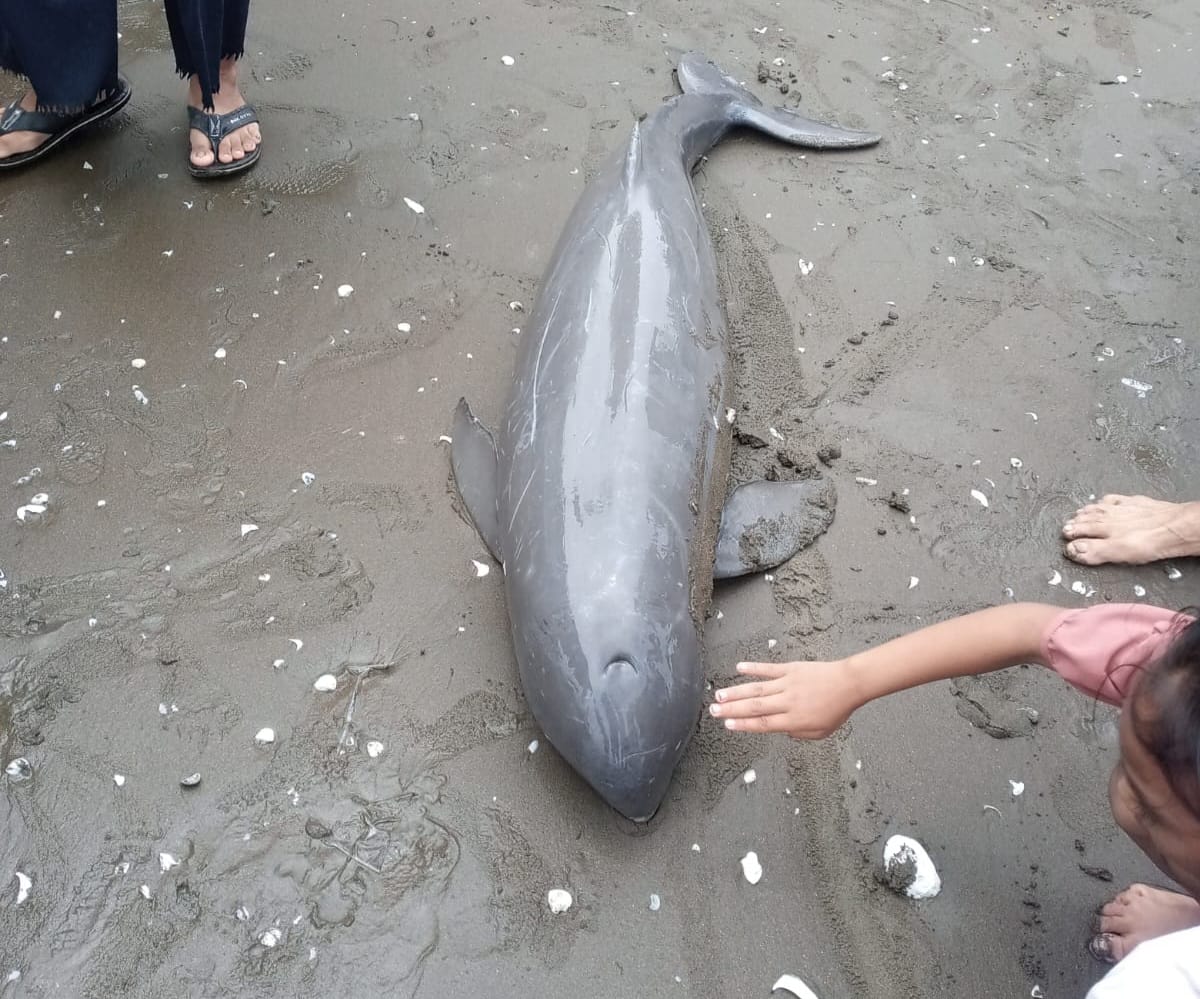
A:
[655,903]
[979,497]
[1016,462]
[749,777]
[298,642]
[374,748]
[278,663]
[24,883]
[325,683]
[416,206]
[1055,579]
[913,581]
[806,268]
[1122,79]
[559,900]
[404,327]
[249,529]
[138,362]
[1083,590]
[1139,591]
[507,60]
[862,480]
[481,569]
[219,353]
[119,780]
[516,306]
[1173,573]
[242,914]
[792,984]
[751,868]
[1140,387]
[901,850]
[1036,992]
[140,396]
[271,937]
[307,478]
[264,577]
[533,746]
[144,891]
[166,861]
[695,848]
[265,736]
[1018,788]
[345,290]
[730,415]
[101,503]
[771,643]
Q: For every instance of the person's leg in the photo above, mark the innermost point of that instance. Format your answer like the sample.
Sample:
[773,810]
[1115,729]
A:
[209,37]
[1138,914]
[1132,530]
[67,49]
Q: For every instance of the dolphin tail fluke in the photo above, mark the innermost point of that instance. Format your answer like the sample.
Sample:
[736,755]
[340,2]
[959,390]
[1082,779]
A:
[697,75]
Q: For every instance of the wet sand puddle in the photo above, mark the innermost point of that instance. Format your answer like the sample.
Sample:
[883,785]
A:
[258,707]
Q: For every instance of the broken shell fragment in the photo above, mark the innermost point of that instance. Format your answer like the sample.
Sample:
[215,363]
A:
[345,290]
[325,683]
[979,497]
[749,777]
[19,769]
[119,780]
[249,529]
[416,206]
[909,869]
[481,569]
[271,937]
[655,903]
[166,861]
[191,780]
[751,868]
[792,984]
[307,478]
[265,736]
[24,883]
[1018,788]
[559,900]
[138,362]
[374,748]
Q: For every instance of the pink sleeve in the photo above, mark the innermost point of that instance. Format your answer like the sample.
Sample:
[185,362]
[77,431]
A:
[1100,649]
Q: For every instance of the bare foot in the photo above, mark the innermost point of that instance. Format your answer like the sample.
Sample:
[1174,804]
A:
[1138,914]
[12,143]
[237,144]
[1132,530]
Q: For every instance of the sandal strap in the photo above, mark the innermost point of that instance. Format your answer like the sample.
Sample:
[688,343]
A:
[217,126]
[16,119]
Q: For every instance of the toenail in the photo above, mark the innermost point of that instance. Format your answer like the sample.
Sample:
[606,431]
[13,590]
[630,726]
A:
[1100,947]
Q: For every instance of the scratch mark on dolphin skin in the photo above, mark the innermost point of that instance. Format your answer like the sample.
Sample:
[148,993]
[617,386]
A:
[516,509]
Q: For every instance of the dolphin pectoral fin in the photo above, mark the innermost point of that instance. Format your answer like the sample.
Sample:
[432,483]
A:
[473,459]
[766,523]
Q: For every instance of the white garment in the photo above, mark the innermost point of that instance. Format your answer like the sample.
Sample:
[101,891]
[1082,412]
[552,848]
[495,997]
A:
[1167,967]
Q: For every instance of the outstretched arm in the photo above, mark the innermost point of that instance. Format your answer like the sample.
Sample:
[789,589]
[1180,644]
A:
[810,700]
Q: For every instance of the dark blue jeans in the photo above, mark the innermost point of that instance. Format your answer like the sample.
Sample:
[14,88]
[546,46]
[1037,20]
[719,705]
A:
[68,48]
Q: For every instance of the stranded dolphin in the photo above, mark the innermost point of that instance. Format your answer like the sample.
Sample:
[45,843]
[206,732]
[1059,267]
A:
[603,493]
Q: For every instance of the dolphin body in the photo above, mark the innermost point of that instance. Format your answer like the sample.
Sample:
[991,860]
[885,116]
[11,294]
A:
[603,494]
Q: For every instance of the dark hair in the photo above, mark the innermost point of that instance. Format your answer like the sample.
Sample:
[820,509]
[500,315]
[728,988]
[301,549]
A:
[1166,710]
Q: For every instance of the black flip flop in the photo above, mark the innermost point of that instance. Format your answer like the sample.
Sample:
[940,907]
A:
[216,127]
[59,127]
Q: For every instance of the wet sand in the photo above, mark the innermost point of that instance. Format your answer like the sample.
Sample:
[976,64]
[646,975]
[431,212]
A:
[1032,226]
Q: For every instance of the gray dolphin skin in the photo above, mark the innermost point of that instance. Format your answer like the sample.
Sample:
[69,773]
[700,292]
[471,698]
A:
[603,493]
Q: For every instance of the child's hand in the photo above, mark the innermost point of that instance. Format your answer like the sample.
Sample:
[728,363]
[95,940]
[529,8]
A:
[807,700]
